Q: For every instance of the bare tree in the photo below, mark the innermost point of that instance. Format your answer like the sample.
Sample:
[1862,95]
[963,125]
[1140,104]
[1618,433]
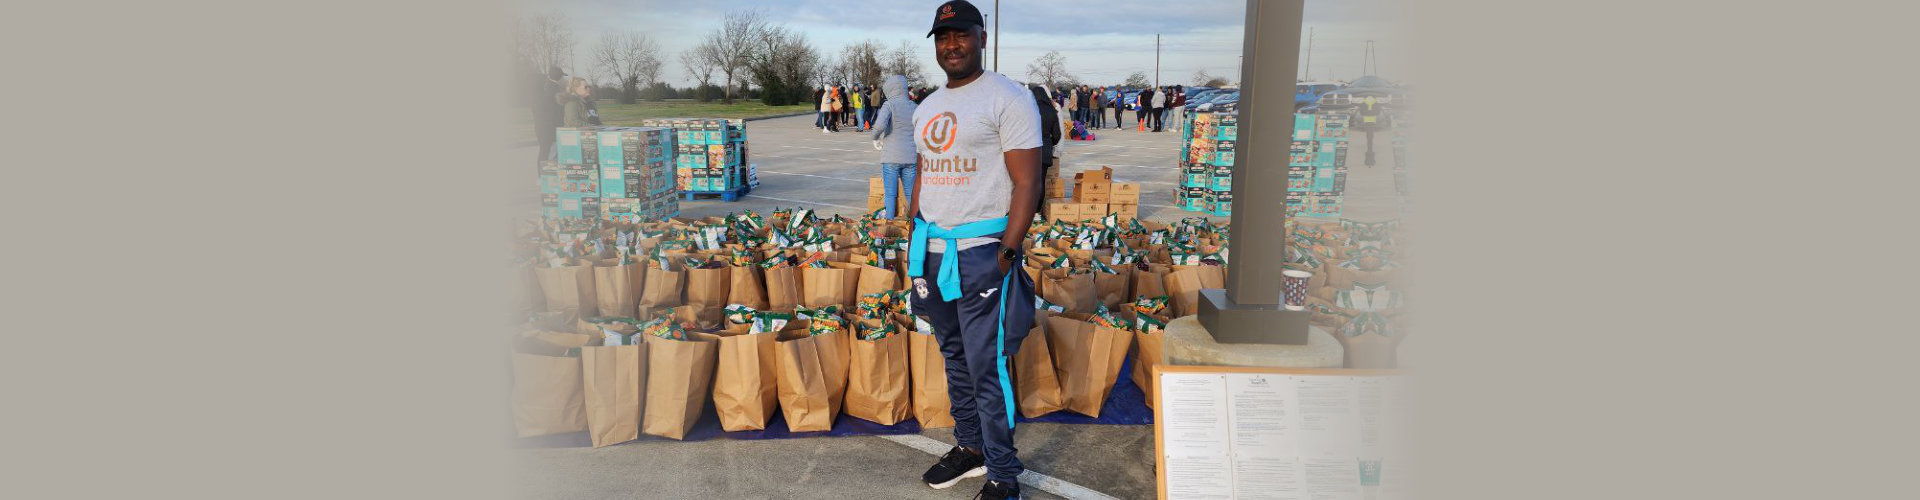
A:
[863,62]
[1051,70]
[904,61]
[785,65]
[1138,80]
[544,40]
[699,64]
[630,59]
[740,33]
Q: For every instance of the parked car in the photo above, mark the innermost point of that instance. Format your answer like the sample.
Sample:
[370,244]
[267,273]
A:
[1224,101]
[1308,93]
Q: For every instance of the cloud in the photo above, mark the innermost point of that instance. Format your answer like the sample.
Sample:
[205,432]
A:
[1103,41]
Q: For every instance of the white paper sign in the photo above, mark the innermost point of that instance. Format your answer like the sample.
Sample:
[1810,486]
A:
[1282,436]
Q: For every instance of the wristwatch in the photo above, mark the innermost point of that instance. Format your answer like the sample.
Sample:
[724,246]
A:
[1010,254]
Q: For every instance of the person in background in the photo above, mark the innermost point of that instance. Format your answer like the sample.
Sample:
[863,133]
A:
[819,108]
[1159,112]
[1140,102]
[859,100]
[547,111]
[976,195]
[593,112]
[1099,108]
[573,102]
[1083,101]
[1114,101]
[893,136]
[1179,104]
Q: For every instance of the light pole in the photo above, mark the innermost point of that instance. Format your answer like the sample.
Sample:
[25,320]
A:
[1248,310]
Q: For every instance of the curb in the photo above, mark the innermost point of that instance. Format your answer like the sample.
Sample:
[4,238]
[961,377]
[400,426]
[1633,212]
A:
[770,117]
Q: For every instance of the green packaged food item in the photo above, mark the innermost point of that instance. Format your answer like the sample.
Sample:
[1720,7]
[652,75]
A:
[1148,324]
[740,314]
[821,325]
[872,259]
[1107,318]
[764,321]
[775,260]
[1146,306]
[875,305]
[808,313]
[1060,263]
[885,329]
[1042,304]
[818,264]
[665,327]
[1101,267]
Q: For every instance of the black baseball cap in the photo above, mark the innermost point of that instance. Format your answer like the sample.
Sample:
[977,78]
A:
[958,14]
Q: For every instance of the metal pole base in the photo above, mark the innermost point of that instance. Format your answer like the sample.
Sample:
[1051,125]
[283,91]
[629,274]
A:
[1232,323]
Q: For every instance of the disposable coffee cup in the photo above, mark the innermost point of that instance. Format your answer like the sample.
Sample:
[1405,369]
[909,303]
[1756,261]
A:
[1294,289]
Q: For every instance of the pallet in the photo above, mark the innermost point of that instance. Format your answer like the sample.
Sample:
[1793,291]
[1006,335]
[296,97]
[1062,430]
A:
[729,195]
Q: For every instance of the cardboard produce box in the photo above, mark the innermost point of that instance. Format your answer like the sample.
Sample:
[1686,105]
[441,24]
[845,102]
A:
[1125,193]
[1060,209]
[1128,211]
[876,187]
[1092,191]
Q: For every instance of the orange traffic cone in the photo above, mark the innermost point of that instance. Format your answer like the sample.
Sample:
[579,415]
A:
[1142,126]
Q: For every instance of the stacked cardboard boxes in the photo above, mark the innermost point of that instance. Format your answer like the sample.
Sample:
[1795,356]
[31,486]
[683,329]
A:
[877,196]
[1093,195]
[614,173]
[710,154]
[1206,166]
[1317,165]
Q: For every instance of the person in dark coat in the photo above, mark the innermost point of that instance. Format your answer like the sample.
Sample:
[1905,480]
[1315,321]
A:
[546,112]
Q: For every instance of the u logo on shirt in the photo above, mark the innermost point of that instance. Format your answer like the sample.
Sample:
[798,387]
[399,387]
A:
[938,133]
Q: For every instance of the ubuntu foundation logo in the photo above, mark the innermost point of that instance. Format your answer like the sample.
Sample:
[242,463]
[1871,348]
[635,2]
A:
[938,133]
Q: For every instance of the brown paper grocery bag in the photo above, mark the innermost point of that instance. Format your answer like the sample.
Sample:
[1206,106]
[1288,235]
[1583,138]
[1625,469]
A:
[836,359]
[746,288]
[1184,285]
[877,387]
[1150,353]
[801,381]
[614,289]
[527,291]
[743,384]
[679,376]
[1151,282]
[547,395]
[875,280]
[783,288]
[662,290]
[821,287]
[1035,382]
[707,295]
[615,382]
[568,289]
[1075,292]
[1087,359]
[1113,288]
[931,404]
[1341,278]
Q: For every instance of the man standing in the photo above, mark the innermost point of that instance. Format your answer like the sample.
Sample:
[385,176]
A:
[978,139]
[1160,108]
[1141,99]
[1115,100]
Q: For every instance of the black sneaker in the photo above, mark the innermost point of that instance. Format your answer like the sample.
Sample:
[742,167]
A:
[995,490]
[954,466]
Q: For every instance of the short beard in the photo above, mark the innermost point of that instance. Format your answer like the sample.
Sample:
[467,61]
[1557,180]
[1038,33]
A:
[966,72]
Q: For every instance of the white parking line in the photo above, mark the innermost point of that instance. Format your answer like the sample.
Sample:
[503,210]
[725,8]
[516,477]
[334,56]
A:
[819,176]
[804,202]
[1029,478]
[822,149]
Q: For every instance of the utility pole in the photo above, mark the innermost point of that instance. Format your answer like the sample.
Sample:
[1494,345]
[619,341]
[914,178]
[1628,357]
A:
[1156,60]
[1306,70]
[996,36]
[1248,310]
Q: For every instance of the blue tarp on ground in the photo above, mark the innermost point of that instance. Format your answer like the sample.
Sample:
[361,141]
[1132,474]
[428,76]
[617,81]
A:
[1126,405]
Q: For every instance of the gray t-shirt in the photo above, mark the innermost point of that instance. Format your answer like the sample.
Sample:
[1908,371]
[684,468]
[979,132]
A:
[961,135]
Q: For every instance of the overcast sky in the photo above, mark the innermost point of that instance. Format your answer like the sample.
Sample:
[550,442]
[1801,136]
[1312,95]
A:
[1103,40]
